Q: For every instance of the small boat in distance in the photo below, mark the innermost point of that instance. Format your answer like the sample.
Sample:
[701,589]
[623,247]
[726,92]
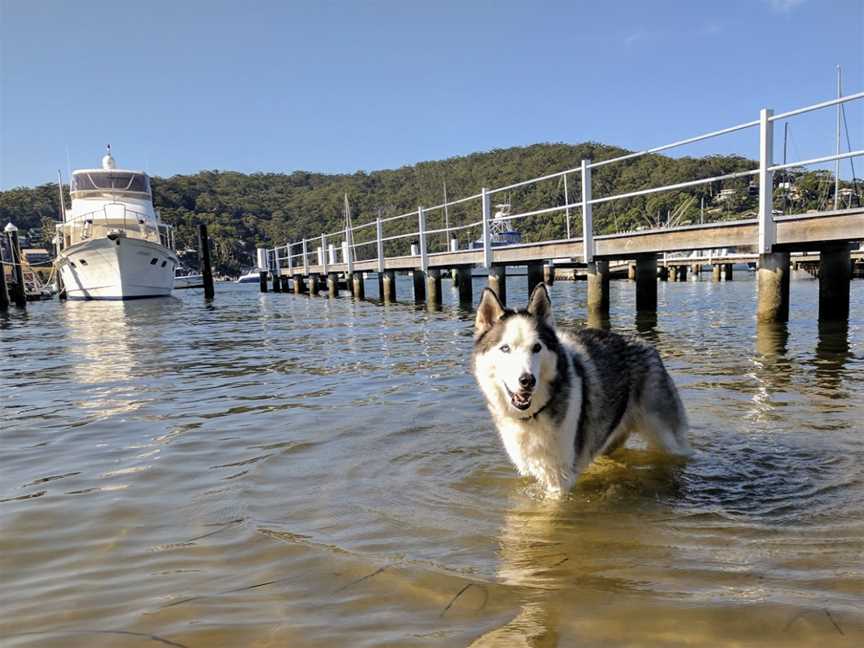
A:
[187,279]
[501,230]
[250,277]
[112,243]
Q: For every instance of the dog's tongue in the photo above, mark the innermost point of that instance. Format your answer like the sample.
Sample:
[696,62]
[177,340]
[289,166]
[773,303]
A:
[521,400]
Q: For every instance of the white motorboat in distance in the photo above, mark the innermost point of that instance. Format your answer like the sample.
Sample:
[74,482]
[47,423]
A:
[112,243]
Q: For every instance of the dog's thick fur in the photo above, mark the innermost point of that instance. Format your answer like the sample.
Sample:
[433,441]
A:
[559,400]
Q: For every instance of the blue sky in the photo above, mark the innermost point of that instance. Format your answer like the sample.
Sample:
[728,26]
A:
[181,86]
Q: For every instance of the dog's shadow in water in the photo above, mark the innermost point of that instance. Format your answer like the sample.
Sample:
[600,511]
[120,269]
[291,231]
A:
[560,553]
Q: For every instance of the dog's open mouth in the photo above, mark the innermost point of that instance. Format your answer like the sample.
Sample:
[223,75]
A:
[520,400]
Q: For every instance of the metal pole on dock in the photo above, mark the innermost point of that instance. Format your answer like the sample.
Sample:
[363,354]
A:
[19,296]
[206,269]
[4,295]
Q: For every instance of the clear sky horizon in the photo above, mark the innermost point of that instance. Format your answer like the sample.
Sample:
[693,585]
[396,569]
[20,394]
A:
[177,87]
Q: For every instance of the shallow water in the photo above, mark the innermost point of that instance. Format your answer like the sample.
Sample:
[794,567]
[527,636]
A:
[275,470]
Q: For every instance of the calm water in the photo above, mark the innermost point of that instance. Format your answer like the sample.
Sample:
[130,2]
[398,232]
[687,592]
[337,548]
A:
[273,470]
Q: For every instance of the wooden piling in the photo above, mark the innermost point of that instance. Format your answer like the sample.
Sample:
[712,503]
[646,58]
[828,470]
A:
[389,286]
[277,283]
[498,282]
[549,274]
[646,283]
[663,273]
[332,284]
[314,284]
[18,292]
[727,271]
[419,278]
[682,273]
[535,274]
[773,287]
[631,272]
[204,256]
[4,294]
[716,272]
[359,288]
[433,286]
[298,284]
[262,281]
[835,272]
[466,296]
[598,289]
[285,285]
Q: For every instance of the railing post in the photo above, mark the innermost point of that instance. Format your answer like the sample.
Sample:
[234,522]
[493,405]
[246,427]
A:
[587,216]
[767,228]
[290,260]
[347,252]
[324,253]
[567,203]
[487,214]
[424,257]
[305,259]
[380,240]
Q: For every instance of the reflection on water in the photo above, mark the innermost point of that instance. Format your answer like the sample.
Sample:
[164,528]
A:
[277,470]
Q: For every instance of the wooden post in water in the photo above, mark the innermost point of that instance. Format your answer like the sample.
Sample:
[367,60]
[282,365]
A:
[727,271]
[433,286]
[535,274]
[663,273]
[4,294]
[773,287]
[314,284]
[682,273]
[498,281]
[332,284]
[646,283]
[419,278]
[206,266]
[598,288]
[359,288]
[549,274]
[379,279]
[277,282]
[18,293]
[298,284]
[389,286]
[631,272]
[835,272]
[466,296]
[285,286]
[716,272]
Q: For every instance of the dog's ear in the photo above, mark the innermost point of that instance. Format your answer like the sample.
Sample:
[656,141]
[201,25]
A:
[539,304]
[489,311]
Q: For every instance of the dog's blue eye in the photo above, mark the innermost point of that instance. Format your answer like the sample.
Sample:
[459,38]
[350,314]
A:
[505,348]
[536,348]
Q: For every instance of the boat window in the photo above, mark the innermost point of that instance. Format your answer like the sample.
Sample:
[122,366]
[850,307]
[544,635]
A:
[111,181]
[153,261]
[82,261]
[163,264]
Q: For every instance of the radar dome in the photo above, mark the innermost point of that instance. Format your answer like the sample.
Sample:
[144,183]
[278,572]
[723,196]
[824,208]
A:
[108,161]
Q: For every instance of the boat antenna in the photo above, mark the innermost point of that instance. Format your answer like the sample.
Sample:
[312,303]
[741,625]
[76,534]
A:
[60,188]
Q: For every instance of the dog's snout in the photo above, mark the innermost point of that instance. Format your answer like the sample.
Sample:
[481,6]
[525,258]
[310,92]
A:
[527,381]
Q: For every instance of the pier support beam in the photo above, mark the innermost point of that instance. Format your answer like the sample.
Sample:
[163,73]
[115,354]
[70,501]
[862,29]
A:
[314,284]
[206,266]
[419,279]
[682,273]
[466,293]
[277,283]
[298,284]
[646,283]
[549,274]
[498,282]
[663,273]
[4,294]
[332,284]
[433,286]
[696,269]
[727,271]
[773,287]
[358,287]
[715,272]
[535,274]
[285,285]
[631,272]
[598,289]
[262,281]
[389,286]
[835,271]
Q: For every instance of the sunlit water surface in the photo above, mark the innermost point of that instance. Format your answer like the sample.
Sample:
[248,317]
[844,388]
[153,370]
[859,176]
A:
[280,470]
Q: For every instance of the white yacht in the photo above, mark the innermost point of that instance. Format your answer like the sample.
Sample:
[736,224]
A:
[112,244]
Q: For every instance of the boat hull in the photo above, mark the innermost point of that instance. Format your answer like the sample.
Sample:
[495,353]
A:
[123,268]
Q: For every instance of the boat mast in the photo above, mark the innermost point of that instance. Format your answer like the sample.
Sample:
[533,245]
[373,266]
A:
[837,161]
[60,188]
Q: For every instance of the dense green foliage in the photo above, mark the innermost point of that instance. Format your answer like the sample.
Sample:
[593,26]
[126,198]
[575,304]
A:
[245,211]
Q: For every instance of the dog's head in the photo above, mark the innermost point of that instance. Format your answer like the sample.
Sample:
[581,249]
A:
[516,352]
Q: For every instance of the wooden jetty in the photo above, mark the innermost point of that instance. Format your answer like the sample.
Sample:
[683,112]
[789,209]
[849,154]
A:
[428,251]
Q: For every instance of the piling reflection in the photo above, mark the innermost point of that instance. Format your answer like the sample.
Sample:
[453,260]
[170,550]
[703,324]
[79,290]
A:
[772,368]
[832,353]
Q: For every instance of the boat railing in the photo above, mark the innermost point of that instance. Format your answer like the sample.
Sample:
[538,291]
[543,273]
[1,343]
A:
[119,220]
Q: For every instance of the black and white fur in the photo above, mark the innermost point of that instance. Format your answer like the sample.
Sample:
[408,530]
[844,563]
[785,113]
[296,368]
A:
[559,400]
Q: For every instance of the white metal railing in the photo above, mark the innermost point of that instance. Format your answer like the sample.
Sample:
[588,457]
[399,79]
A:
[585,202]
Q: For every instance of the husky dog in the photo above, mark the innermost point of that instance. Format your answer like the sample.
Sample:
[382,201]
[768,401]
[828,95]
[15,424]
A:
[559,400]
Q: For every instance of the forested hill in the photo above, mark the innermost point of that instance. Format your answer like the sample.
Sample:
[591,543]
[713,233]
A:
[244,211]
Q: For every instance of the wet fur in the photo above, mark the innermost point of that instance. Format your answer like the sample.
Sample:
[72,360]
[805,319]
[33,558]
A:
[594,388]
